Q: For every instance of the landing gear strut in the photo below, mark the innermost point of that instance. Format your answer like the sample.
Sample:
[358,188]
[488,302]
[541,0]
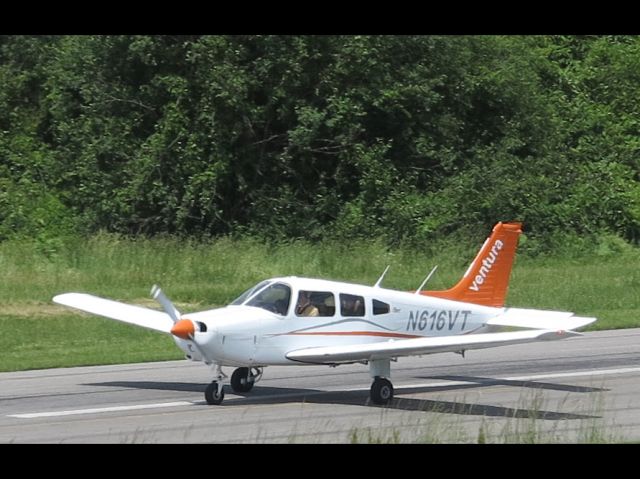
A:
[381,389]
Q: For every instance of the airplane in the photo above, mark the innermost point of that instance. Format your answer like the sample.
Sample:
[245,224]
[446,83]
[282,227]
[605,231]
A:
[304,321]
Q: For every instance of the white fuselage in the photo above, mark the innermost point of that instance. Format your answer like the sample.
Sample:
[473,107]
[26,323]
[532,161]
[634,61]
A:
[249,335]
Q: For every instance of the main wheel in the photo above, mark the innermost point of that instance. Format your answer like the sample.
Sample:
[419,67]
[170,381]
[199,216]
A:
[381,391]
[241,382]
[213,395]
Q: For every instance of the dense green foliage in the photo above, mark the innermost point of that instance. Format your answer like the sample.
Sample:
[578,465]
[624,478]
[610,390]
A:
[405,138]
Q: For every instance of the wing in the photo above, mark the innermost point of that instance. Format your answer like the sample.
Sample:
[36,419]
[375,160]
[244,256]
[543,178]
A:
[539,319]
[145,317]
[418,346]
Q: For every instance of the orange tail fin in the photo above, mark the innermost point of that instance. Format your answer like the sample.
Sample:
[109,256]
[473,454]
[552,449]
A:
[487,279]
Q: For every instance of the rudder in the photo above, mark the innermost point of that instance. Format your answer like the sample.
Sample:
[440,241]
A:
[487,279]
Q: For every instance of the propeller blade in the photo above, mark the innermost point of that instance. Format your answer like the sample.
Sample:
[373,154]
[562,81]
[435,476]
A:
[167,305]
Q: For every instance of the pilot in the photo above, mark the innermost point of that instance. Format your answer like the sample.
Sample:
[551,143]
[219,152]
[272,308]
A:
[305,307]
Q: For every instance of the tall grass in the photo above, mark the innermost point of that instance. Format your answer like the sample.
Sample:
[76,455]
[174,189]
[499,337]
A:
[581,423]
[203,274]
[200,275]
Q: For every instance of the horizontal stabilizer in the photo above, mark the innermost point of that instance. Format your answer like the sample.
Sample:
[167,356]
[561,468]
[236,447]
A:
[145,317]
[539,319]
[418,346]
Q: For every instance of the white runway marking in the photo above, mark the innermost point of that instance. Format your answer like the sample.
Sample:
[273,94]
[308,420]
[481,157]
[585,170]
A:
[602,372]
[101,409]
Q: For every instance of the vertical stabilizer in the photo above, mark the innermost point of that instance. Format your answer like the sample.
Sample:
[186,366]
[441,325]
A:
[487,278]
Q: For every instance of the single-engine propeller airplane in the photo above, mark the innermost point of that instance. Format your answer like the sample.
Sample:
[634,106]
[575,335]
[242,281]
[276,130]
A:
[302,321]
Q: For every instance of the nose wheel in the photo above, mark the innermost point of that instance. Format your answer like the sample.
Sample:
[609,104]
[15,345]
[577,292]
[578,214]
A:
[214,394]
[242,381]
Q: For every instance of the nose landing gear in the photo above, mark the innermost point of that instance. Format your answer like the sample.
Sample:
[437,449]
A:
[214,394]
[242,381]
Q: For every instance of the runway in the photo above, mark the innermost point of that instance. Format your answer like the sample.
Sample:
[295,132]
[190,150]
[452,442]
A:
[584,389]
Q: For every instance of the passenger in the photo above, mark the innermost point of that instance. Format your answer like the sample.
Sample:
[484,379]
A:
[351,305]
[305,307]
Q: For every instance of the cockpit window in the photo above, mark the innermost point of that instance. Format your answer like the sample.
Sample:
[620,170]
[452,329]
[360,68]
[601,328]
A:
[253,289]
[274,298]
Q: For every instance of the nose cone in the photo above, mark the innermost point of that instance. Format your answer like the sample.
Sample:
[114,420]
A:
[183,329]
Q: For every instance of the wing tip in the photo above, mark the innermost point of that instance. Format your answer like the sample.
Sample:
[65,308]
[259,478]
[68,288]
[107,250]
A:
[62,298]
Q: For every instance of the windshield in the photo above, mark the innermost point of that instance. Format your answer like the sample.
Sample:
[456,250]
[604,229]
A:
[274,298]
[244,296]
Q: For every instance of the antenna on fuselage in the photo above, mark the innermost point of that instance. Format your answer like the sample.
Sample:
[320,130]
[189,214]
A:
[426,279]
[381,277]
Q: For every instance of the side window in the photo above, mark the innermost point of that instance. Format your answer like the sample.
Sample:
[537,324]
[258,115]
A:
[351,305]
[379,307]
[315,303]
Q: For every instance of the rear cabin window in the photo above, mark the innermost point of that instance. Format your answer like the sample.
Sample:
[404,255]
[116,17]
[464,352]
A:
[315,303]
[379,307]
[351,305]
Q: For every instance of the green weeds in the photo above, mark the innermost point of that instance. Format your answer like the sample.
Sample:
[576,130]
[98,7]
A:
[35,333]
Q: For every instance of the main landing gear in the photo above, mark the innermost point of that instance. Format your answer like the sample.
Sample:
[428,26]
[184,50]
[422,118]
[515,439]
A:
[242,381]
[381,390]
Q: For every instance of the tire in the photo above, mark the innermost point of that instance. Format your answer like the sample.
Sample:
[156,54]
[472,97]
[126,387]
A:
[211,394]
[381,391]
[240,382]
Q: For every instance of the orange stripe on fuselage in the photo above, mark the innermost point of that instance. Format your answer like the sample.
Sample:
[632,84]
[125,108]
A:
[359,333]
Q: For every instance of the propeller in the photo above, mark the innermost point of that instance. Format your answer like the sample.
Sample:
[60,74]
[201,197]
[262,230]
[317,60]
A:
[182,328]
[168,306]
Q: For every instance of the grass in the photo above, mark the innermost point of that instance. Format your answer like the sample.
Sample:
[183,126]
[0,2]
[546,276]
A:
[71,339]
[605,287]
[524,424]
[35,333]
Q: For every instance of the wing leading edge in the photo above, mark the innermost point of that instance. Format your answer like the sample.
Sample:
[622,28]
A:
[418,346]
[145,317]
